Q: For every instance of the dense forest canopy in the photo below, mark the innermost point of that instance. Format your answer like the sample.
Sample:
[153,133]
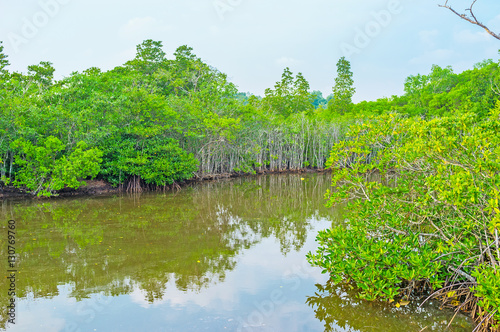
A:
[156,121]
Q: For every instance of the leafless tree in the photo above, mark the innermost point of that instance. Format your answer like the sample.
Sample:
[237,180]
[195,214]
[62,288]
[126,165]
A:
[470,17]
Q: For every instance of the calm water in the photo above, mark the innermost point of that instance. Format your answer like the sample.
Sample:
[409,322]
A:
[222,256]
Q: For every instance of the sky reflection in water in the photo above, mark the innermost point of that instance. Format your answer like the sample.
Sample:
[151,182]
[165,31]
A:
[220,256]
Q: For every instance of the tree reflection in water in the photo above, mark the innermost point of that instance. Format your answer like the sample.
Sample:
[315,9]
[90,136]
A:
[339,309]
[113,245]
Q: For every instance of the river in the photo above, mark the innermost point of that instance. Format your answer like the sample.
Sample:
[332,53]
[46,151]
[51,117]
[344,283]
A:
[216,256]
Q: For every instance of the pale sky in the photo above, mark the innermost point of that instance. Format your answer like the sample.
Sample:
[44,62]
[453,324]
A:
[253,40]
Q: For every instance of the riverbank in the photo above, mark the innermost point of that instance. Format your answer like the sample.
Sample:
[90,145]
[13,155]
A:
[101,187]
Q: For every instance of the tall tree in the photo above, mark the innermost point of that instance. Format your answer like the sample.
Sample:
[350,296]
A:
[42,74]
[149,57]
[150,51]
[289,95]
[3,58]
[279,98]
[344,88]
[302,98]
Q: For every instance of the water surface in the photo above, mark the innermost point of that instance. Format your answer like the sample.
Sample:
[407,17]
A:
[219,256]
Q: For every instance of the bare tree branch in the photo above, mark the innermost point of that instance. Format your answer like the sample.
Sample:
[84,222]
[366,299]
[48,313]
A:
[471,18]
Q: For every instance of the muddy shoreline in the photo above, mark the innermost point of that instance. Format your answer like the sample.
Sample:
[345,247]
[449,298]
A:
[101,187]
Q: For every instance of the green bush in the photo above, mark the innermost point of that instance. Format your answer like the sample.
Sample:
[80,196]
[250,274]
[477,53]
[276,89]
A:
[488,290]
[422,197]
[158,161]
[46,168]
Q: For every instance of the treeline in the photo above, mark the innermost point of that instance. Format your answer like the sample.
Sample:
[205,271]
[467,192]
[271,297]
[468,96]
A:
[442,93]
[154,122]
[151,122]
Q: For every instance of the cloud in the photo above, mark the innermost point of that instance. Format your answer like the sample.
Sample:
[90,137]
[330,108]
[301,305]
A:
[494,23]
[125,55]
[428,37]
[467,36]
[434,56]
[37,318]
[287,62]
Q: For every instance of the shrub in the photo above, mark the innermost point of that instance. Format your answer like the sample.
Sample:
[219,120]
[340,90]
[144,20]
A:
[157,161]
[45,168]
[422,197]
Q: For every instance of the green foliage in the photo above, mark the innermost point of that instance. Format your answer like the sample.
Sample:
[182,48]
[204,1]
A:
[290,96]
[343,90]
[442,92]
[488,290]
[422,197]
[179,105]
[43,169]
[157,161]
[149,57]
[318,100]
[3,58]
[378,107]
[42,73]
[193,109]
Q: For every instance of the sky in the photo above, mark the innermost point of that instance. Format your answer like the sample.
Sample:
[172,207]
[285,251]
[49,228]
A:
[252,41]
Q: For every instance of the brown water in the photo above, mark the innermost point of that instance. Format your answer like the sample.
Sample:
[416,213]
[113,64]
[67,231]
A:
[220,256]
